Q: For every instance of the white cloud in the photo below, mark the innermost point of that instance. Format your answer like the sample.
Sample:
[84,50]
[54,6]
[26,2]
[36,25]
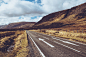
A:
[6,1]
[18,8]
[1,0]
[58,5]
[10,10]
[52,5]
[68,4]
[29,19]
[7,20]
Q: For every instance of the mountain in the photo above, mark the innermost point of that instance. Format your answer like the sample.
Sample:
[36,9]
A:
[2,26]
[19,25]
[74,18]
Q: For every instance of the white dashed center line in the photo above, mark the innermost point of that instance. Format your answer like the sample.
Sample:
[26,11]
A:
[67,46]
[66,42]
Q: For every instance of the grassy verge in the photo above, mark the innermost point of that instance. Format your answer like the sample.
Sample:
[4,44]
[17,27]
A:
[21,44]
[13,44]
[80,37]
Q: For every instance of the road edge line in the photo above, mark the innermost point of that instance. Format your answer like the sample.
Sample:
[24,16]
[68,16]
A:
[37,47]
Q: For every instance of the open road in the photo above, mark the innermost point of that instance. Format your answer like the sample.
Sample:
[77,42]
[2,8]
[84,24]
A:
[50,46]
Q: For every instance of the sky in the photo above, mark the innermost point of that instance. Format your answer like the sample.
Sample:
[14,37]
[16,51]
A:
[32,10]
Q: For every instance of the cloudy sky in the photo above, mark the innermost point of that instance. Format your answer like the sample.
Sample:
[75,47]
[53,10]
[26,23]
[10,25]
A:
[32,10]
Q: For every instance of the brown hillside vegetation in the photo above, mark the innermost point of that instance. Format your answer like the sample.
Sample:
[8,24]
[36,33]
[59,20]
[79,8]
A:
[19,25]
[74,18]
[13,44]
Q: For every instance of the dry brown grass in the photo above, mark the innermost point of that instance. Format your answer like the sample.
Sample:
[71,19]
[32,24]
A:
[80,37]
[18,39]
[72,36]
[50,22]
[21,44]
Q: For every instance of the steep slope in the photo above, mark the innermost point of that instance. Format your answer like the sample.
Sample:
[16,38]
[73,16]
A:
[74,18]
[19,25]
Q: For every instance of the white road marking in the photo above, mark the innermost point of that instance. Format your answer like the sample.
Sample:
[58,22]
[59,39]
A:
[46,38]
[70,43]
[54,38]
[66,42]
[37,47]
[62,40]
[46,42]
[79,43]
[67,47]
[73,41]
[65,39]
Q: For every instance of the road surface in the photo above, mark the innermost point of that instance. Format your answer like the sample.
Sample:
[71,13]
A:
[50,46]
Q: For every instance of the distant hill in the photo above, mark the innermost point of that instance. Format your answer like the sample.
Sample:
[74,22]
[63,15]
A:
[19,25]
[2,26]
[74,18]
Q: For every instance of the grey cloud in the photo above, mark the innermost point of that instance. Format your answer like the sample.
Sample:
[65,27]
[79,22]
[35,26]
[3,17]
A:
[21,8]
[10,12]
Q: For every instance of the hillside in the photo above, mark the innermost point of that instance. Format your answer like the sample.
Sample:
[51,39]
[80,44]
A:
[2,26]
[74,18]
[19,25]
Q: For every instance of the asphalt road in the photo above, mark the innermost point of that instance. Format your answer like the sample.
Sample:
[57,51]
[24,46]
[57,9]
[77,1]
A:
[50,46]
